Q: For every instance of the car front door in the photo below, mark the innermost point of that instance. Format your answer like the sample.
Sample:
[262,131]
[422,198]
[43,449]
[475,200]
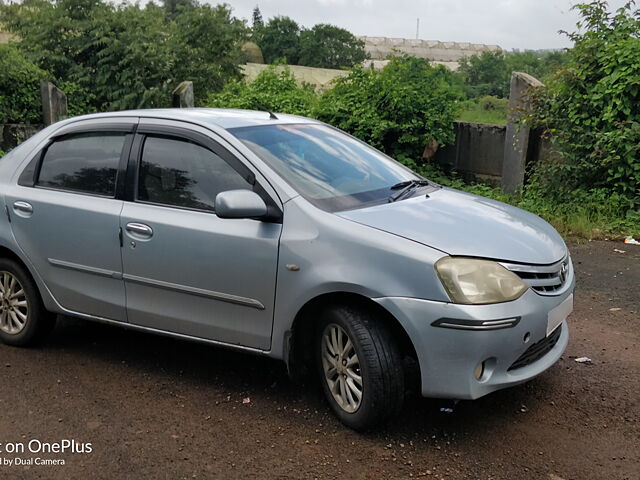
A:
[65,215]
[186,270]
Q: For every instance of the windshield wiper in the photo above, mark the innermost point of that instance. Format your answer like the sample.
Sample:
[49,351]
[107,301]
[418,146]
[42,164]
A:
[406,186]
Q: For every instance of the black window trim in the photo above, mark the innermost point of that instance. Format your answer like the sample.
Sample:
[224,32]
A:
[274,214]
[106,127]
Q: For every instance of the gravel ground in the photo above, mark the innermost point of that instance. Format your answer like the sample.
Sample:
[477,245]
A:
[153,407]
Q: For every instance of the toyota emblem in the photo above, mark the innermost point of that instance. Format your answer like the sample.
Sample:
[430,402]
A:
[563,272]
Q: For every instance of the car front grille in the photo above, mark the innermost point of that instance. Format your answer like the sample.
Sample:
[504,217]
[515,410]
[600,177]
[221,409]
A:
[544,279]
[537,350]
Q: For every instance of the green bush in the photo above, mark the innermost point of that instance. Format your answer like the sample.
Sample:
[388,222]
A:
[80,101]
[590,110]
[274,89]
[398,110]
[20,87]
[490,103]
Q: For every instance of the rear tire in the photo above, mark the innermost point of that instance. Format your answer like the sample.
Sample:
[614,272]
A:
[360,367]
[23,319]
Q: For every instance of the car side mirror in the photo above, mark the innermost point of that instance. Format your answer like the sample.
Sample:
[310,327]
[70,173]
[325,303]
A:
[240,204]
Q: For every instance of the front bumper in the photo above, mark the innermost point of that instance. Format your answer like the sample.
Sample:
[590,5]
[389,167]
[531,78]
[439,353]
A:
[448,357]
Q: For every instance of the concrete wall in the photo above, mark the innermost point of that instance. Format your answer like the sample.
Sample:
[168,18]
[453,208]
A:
[380,64]
[12,134]
[320,78]
[449,53]
[5,37]
[477,153]
[499,155]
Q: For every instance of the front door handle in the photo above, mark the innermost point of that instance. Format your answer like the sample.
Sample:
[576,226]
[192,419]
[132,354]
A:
[23,207]
[139,229]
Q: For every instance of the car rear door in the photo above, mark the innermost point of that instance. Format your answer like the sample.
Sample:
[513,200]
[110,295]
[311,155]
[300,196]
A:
[65,215]
[186,270]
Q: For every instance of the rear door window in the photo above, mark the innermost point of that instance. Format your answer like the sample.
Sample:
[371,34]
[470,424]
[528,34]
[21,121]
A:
[86,162]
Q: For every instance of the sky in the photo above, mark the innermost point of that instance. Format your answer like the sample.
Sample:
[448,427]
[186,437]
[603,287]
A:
[511,24]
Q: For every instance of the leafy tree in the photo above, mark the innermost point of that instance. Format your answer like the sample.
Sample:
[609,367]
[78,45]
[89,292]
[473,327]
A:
[134,61]
[590,109]
[274,89]
[279,39]
[540,64]
[485,74]
[19,87]
[399,109]
[328,46]
[207,43]
[54,35]
[553,62]
[124,56]
[257,21]
[174,7]
[490,72]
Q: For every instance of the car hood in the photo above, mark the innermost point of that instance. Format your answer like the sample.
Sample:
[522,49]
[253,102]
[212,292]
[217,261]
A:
[459,223]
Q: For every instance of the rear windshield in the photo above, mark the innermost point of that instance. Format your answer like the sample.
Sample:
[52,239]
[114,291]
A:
[329,168]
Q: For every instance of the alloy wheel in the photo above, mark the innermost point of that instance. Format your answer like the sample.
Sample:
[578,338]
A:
[341,368]
[14,308]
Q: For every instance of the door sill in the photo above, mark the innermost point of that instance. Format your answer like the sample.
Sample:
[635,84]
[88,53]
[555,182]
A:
[181,336]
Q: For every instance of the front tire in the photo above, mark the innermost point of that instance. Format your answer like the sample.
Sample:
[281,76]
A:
[360,367]
[23,319]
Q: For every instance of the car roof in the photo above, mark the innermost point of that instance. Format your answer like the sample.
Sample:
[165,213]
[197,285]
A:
[224,118]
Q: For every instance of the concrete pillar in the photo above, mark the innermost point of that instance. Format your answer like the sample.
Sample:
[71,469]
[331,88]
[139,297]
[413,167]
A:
[516,136]
[54,103]
[183,95]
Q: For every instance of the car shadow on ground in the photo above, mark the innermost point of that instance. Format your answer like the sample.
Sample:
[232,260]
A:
[237,374]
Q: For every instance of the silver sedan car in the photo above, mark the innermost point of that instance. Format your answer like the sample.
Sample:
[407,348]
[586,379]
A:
[280,236]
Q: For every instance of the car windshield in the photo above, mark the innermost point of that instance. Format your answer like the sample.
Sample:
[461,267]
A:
[330,169]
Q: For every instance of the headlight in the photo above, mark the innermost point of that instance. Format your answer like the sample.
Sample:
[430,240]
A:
[473,281]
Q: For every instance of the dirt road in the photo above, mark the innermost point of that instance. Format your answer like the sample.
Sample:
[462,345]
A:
[152,407]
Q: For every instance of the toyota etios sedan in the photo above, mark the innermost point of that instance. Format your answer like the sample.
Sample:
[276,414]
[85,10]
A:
[285,237]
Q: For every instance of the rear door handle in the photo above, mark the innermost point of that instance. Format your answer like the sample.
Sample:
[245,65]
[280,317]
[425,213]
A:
[23,207]
[139,229]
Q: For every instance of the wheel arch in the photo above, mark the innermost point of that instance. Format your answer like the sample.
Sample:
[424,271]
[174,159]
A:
[8,253]
[45,295]
[299,344]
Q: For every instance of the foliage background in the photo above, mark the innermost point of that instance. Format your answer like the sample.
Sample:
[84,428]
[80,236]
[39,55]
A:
[590,111]
[19,87]
[324,46]
[119,56]
[108,56]
[272,90]
[399,109]
[387,109]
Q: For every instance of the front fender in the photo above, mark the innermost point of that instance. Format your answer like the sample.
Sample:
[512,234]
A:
[322,253]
